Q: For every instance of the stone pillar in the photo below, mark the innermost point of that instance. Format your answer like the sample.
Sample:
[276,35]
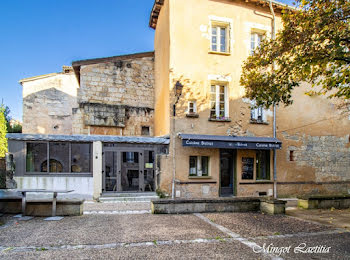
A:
[97,169]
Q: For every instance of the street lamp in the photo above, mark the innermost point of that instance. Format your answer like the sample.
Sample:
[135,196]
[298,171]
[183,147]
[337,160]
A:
[178,92]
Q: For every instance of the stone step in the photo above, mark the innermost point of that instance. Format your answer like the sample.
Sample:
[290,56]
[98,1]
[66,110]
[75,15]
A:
[128,194]
[129,199]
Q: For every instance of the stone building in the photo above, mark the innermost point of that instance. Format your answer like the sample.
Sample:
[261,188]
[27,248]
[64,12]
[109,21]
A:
[48,102]
[176,118]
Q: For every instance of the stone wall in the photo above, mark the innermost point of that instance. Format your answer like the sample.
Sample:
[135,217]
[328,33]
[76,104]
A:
[116,97]
[48,102]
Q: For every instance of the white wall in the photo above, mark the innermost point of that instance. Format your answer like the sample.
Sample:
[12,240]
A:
[82,186]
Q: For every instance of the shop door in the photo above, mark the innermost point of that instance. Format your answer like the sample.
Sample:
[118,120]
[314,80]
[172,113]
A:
[110,172]
[227,163]
[132,177]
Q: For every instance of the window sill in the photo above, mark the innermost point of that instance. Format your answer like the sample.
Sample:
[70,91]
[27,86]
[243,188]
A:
[199,177]
[192,115]
[220,53]
[57,174]
[227,119]
[255,182]
[258,122]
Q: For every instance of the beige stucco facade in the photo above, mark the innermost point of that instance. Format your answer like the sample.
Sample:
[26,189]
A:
[315,129]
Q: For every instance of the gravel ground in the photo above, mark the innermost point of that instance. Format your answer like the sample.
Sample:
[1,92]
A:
[339,243]
[257,224]
[220,250]
[104,229]
[119,206]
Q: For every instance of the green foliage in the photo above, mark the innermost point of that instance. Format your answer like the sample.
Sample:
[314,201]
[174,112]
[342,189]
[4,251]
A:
[3,131]
[313,46]
[161,194]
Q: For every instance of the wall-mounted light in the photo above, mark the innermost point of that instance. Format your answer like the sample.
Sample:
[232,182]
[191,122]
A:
[178,89]
[178,92]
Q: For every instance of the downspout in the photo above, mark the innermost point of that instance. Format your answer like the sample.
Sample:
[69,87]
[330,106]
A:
[174,162]
[273,35]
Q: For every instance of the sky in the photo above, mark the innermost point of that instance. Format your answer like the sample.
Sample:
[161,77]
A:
[39,36]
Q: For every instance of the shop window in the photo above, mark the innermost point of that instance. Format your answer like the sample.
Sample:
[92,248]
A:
[255,40]
[36,155]
[218,102]
[59,152]
[130,157]
[247,168]
[199,166]
[145,130]
[263,165]
[80,157]
[64,157]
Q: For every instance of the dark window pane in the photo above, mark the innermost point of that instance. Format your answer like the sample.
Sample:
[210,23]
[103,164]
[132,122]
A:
[247,168]
[263,165]
[36,156]
[205,165]
[59,156]
[145,130]
[193,165]
[81,157]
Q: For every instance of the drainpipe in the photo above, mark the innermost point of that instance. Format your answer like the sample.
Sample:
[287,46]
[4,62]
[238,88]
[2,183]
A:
[174,163]
[273,35]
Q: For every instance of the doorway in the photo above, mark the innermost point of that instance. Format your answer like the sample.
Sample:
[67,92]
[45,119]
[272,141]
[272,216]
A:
[128,170]
[227,172]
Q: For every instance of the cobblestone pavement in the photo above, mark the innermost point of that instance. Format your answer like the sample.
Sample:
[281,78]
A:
[142,236]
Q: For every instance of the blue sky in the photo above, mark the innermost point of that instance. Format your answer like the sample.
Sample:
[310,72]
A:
[39,36]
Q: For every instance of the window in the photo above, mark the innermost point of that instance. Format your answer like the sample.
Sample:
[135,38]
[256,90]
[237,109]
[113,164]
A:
[263,165]
[130,157]
[291,156]
[247,168]
[192,107]
[219,35]
[145,130]
[59,152]
[199,166]
[218,102]
[36,155]
[62,157]
[80,157]
[257,113]
[255,40]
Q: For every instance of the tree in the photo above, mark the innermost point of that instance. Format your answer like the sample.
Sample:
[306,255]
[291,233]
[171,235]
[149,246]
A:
[11,128]
[3,131]
[313,47]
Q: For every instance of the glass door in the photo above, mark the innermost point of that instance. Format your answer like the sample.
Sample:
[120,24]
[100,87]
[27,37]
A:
[227,172]
[131,172]
[110,172]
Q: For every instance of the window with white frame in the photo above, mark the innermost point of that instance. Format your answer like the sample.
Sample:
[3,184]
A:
[192,107]
[218,102]
[255,40]
[219,38]
[257,113]
[199,166]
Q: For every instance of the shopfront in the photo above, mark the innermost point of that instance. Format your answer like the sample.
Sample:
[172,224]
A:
[90,165]
[235,166]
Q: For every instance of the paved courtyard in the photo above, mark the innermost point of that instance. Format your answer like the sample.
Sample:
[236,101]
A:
[118,230]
